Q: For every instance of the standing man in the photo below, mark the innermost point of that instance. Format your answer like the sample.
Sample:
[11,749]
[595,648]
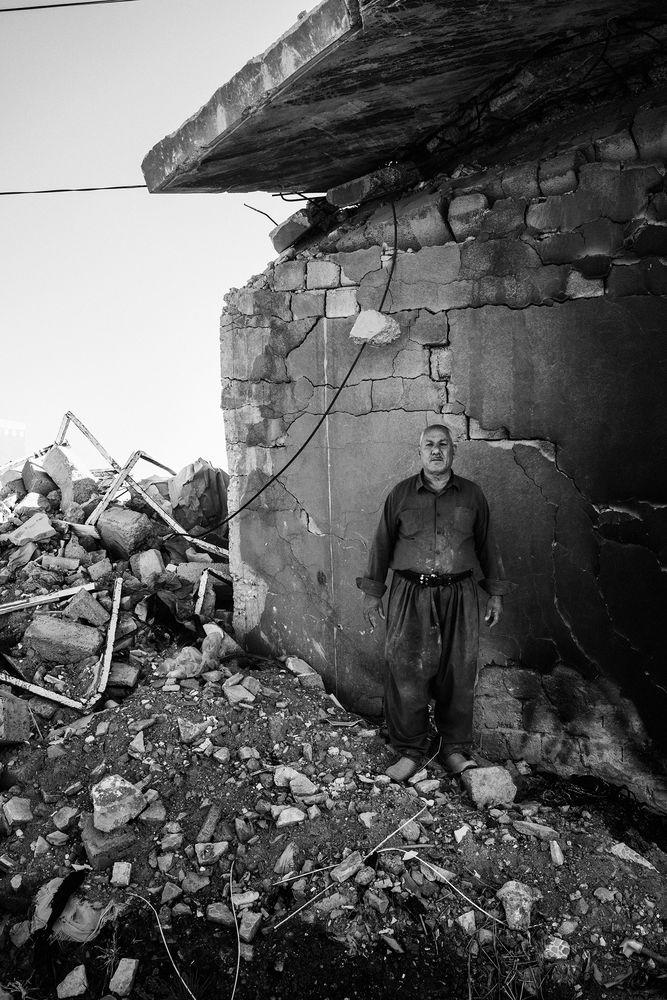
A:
[433,528]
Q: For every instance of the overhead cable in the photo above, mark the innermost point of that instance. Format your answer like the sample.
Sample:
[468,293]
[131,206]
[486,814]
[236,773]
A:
[71,3]
[110,187]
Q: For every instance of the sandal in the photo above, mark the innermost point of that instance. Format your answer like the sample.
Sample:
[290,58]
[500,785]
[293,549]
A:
[456,763]
[403,769]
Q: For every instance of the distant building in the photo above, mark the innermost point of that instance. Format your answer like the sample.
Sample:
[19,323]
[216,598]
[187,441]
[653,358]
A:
[12,440]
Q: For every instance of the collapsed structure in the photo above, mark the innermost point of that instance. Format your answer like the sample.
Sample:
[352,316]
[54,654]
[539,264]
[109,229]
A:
[494,185]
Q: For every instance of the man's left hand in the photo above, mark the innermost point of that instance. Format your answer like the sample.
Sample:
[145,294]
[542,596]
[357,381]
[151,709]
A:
[494,610]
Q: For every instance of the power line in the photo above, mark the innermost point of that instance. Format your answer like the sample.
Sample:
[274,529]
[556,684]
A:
[110,187]
[72,3]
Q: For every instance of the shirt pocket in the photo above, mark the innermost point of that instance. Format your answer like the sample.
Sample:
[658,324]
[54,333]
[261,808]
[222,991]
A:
[412,522]
[464,520]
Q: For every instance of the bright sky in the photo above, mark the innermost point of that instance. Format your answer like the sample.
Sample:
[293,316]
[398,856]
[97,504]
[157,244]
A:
[110,301]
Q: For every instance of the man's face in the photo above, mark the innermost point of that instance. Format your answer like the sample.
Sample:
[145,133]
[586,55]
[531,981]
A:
[436,452]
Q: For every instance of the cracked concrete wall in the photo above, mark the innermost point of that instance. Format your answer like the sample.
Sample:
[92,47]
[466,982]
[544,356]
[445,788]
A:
[531,305]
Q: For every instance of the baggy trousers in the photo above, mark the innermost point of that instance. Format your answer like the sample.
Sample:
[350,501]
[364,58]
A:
[431,654]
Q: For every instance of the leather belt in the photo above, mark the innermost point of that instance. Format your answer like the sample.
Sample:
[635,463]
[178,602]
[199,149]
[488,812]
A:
[433,579]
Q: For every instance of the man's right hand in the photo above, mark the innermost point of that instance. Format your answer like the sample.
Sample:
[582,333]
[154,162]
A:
[372,609]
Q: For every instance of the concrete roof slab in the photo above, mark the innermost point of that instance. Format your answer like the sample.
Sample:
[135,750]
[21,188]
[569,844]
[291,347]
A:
[357,83]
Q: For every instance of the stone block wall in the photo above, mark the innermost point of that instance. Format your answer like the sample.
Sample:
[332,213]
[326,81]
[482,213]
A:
[530,299]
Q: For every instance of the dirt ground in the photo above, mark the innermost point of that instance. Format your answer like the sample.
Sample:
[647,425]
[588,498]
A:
[398,927]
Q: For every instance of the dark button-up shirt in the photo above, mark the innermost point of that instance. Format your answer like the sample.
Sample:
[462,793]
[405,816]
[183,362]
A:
[424,531]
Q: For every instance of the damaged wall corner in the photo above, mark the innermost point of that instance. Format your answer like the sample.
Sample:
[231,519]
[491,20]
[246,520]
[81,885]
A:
[532,326]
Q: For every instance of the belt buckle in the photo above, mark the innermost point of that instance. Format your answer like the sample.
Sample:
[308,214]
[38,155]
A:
[422,578]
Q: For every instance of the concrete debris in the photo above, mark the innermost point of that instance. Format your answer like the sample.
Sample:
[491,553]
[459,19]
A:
[489,786]
[35,479]
[37,528]
[14,720]
[75,482]
[198,496]
[374,328]
[122,530]
[59,640]
[85,608]
[517,900]
[626,853]
[115,802]
[17,811]
[75,984]
[123,978]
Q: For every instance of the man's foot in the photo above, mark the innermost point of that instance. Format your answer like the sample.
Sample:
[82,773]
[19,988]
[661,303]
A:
[403,769]
[457,762]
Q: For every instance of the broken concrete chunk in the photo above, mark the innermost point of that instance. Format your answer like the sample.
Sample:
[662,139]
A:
[517,900]
[61,640]
[302,785]
[219,913]
[374,328]
[17,811]
[123,978]
[37,528]
[191,572]
[122,530]
[322,274]
[381,181]
[489,786]
[538,830]
[288,232]
[99,570]
[36,480]
[74,984]
[298,666]
[121,873]
[290,816]
[125,675]
[626,853]
[210,853]
[250,924]
[31,504]
[289,276]
[59,564]
[147,566]
[348,867]
[198,495]
[14,720]
[236,694]
[63,818]
[190,732]
[75,482]
[115,803]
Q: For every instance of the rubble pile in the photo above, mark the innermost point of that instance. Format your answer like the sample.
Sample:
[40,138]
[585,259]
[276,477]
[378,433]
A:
[87,586]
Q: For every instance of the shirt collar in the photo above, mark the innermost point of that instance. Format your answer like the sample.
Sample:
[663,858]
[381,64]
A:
[420,483]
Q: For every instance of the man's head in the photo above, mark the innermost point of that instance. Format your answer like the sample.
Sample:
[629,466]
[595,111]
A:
[436,449]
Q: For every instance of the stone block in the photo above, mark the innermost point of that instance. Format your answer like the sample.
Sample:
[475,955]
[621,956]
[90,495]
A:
[249,925]
[650,133]
[220,913]
[439,364]
[466,214]
[497,257]
[430,328]
[520,181]
[558,248]
[288,232]
[562,212]
[147,566]
[357,264]
[374,328]
[322,274]
[489,786]
[579,287]
[505,217]
[263,302]
[74,480]
[557,175]
[341,302]
[498,710]
[620,194]
[14,719]
[83,607]
[645,277]
[377,182]
[123,675]
[419,223]
[115,803]
[289,276]
[99,570]
[122,981]
[650,241]
[37,528]
[122,530]
[423,280]
[306,305]
[36,480]
[617,148]
[61,640]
